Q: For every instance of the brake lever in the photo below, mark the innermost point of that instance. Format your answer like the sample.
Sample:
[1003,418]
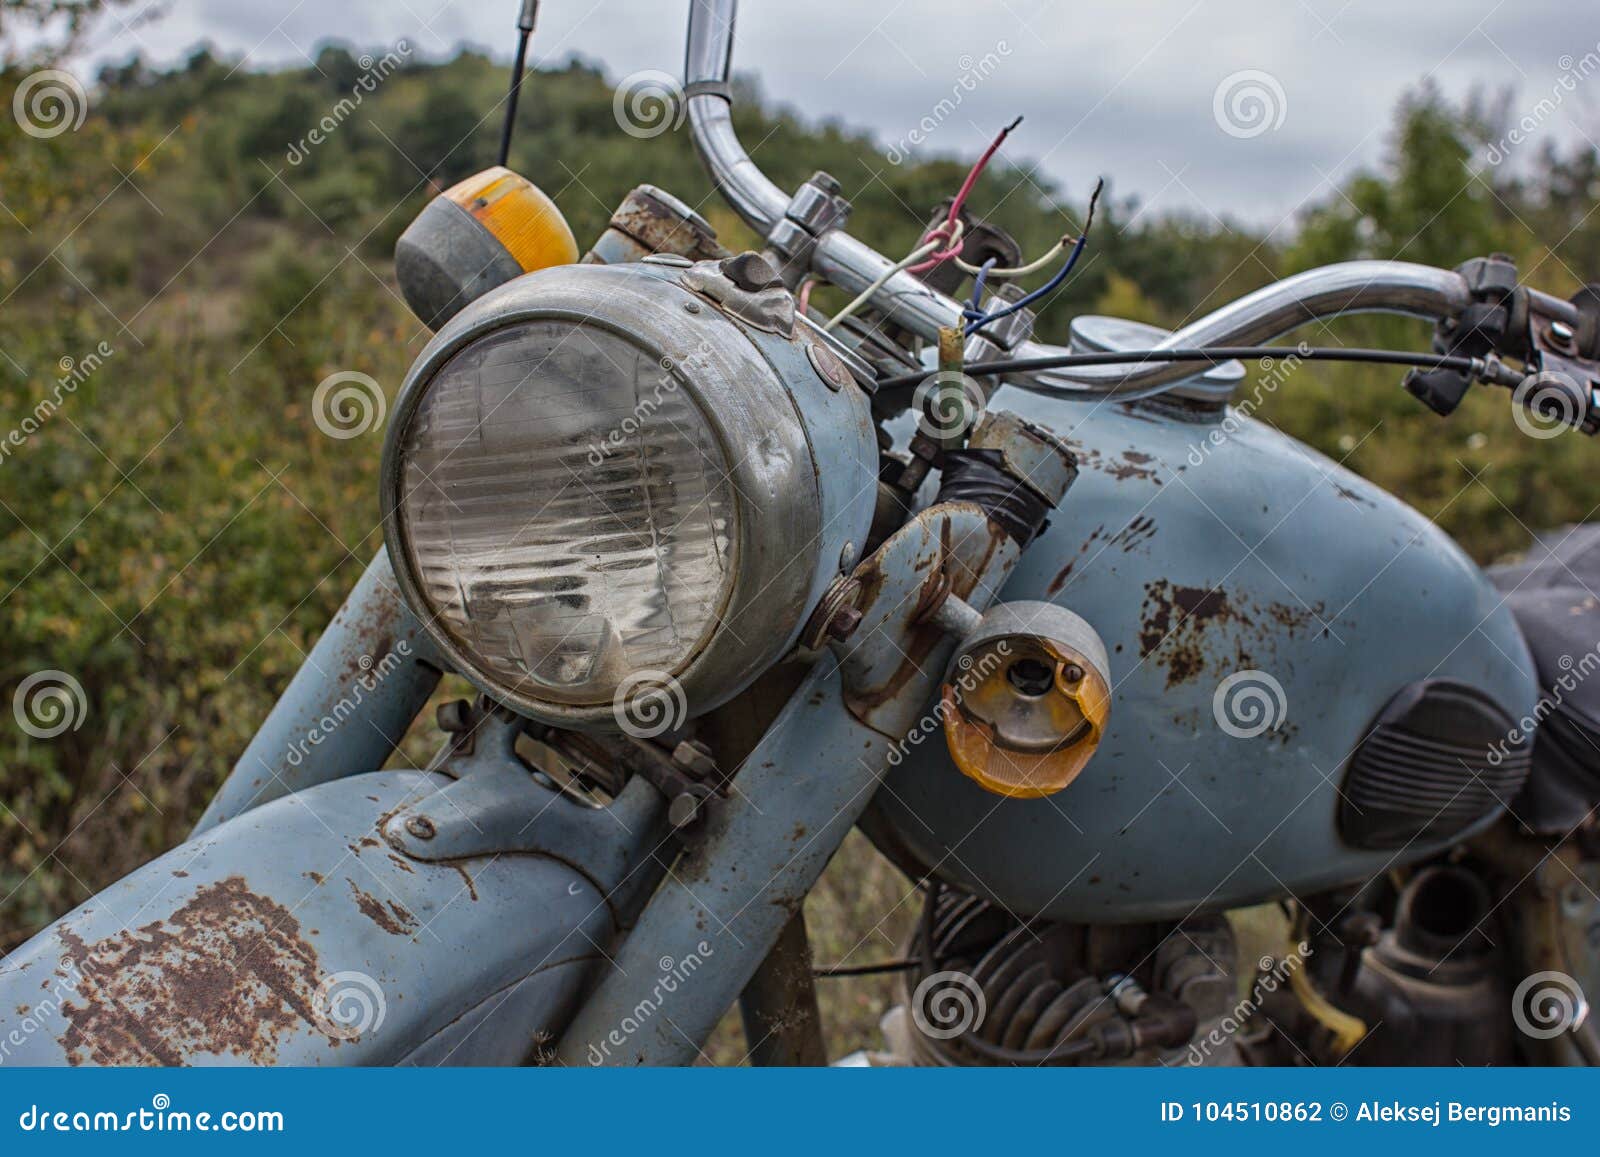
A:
[1557,342]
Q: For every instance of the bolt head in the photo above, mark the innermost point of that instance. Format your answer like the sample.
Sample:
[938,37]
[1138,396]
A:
[683,810]
[421,827]
[844,622]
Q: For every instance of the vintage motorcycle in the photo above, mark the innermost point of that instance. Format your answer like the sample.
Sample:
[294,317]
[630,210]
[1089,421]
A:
[1090,655]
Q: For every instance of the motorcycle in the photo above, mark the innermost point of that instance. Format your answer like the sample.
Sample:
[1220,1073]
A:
[1088,653]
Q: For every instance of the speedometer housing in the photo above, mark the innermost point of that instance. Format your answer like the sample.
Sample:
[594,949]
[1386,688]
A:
[599,481]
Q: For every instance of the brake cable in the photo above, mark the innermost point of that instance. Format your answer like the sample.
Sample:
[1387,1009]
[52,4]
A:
[1485,369]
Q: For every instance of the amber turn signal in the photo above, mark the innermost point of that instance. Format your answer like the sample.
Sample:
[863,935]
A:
[1026,701]
[475,236]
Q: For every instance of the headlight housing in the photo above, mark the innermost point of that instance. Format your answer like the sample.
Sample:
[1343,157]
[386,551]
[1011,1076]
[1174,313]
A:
[599,483]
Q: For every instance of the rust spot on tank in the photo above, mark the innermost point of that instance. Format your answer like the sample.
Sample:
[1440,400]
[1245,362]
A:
[392,918]
[1135,534]
[1066,572]
[1130,464]
[227,974]
[472,888]
[1185,628]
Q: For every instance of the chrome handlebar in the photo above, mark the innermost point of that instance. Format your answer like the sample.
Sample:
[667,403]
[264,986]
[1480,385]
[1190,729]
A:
[1349,287]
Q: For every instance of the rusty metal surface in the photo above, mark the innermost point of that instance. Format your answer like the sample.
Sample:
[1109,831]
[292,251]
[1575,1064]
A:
[227,973]
[648,222]
[942,551]
[296,935]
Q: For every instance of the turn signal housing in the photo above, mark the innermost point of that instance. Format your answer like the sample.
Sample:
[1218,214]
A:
[475,236]
[1026,700]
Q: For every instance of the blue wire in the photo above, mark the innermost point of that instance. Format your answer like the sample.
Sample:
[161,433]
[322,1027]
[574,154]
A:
[974,325]
[974,308]
[1051,285]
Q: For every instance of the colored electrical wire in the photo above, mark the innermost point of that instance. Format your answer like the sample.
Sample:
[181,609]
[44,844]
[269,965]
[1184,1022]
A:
[1055,282]
[1211,354]
[883,278]
[1034,266]
[975,305]
[946,231]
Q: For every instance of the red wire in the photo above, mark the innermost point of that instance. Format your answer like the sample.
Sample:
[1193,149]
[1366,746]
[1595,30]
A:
[946,230]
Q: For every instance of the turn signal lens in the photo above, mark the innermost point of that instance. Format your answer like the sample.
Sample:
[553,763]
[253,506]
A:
[1023,714]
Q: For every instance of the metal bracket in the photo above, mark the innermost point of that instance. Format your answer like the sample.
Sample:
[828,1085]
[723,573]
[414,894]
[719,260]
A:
[499,806]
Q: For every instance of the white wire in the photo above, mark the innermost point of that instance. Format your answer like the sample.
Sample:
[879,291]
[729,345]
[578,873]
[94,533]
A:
[1021,270]
[906,262]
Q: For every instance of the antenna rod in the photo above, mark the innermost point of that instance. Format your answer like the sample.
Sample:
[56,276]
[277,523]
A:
[525,23]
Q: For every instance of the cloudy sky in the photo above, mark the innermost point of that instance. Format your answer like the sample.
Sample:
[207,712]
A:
[1228,107]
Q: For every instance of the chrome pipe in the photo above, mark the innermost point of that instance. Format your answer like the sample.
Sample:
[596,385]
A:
[1270,312]
[1398,287]
[707,62]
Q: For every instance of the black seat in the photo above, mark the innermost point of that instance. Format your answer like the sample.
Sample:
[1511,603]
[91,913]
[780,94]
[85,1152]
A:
[1554,594]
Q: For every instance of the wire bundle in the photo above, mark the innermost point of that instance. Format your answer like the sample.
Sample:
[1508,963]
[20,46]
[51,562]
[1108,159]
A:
[943,242]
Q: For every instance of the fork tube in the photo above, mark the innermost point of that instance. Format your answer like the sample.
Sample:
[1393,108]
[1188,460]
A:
[346,708]
[726,903]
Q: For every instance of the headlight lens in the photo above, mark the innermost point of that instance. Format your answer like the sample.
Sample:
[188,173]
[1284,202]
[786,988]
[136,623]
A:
[568,510]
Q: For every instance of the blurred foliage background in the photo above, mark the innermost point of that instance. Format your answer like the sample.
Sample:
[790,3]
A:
[176,534]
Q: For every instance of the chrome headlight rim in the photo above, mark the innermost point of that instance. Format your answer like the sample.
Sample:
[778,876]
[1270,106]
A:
[776,491]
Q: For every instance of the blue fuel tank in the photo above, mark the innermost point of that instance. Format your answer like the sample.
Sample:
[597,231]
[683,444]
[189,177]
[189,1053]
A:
[1308,675]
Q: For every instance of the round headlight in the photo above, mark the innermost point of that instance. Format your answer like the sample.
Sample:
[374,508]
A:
[597,482]
[569,510]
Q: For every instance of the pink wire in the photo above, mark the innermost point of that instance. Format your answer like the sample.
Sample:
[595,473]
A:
[805,293]
[944,231]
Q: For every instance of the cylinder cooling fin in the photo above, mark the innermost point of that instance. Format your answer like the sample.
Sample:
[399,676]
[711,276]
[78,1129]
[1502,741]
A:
[1437,761]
